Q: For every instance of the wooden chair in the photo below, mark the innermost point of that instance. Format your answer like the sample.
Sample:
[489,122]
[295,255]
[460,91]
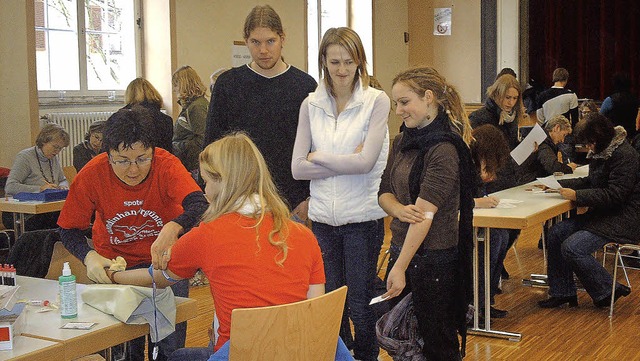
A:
[69,173]
[305,330]
[59,257]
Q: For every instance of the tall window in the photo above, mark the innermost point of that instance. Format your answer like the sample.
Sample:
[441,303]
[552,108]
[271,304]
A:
[325,14]
[86,47]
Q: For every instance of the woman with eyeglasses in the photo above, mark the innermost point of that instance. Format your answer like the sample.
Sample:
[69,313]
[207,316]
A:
[90,146]
[36,169]
[143,199]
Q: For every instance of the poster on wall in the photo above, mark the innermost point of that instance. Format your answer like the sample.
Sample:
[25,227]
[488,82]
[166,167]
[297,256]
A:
[442,21]
[239,54]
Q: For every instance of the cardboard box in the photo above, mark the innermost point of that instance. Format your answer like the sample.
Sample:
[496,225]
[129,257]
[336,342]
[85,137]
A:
[11,325]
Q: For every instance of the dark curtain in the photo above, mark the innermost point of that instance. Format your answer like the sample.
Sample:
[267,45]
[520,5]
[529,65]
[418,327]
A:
[592,39]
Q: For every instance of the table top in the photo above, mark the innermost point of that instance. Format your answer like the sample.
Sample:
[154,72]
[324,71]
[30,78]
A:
[10,205]
[32,349]
[534,209]
[107,332]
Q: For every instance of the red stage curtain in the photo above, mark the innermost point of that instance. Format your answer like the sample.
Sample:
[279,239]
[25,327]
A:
[592,39]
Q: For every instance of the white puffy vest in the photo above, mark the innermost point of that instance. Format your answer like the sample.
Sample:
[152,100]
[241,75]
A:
[353,198]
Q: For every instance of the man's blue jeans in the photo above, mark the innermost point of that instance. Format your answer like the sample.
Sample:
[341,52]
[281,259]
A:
[350,253]
[570,250]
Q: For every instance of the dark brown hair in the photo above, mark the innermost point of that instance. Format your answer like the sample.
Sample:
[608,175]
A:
[489,145]
[595,129]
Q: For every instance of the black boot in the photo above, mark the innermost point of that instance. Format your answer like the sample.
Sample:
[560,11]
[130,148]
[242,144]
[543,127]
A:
[554,302]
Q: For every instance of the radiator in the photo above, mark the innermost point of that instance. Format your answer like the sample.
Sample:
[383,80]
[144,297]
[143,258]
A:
[77,125]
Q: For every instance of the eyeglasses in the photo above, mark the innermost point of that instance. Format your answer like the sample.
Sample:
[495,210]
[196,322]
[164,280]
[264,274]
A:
[125,163]
[97,137]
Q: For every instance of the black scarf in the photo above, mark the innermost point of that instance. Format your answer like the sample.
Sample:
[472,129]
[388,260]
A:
[423,139]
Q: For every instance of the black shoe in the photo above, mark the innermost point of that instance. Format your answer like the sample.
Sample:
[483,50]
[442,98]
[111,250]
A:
[632,260]
[493,313]
[621,291]
[505,274]
[540,243]
[554,302]
[498,313]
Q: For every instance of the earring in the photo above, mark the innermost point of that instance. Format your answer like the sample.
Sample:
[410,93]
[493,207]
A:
[428,117]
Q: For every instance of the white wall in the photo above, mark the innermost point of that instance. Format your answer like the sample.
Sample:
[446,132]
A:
[508,38]
[456,57]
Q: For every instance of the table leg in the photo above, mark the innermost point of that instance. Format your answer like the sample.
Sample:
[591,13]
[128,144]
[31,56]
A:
[486,330]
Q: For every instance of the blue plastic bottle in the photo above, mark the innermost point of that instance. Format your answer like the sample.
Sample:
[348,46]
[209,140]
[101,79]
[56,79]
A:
[68,300]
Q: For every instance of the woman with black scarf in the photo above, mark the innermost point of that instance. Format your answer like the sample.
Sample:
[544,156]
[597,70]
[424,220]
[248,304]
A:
[429,178]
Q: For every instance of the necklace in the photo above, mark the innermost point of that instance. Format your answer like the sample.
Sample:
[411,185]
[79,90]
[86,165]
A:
[41,170]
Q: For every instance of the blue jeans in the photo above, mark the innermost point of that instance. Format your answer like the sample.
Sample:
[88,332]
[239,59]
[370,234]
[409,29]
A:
[570,250]
[172,342]
[342,353]
[498,247]
[350,253]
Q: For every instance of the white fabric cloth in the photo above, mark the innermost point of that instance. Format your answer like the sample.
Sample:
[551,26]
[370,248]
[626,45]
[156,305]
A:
[134,305]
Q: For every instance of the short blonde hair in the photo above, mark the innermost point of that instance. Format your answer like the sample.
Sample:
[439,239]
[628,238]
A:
[50,132]
[349,40]
[236,162]
[560,120]
[188,83]
[141,90]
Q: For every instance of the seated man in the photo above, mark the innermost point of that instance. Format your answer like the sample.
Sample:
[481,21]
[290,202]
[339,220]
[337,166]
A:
[141,195]
[545,162]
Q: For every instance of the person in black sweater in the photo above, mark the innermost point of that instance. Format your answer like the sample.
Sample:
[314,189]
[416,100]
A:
[622,106]
[263,99]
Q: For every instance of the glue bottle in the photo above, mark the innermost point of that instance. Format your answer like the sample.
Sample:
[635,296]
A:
[68,300]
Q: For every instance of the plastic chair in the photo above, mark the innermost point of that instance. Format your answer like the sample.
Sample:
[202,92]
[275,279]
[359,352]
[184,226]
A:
[305,330]
[617,249]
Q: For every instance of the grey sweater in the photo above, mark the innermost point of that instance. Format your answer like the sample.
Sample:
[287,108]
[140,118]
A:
[25,175]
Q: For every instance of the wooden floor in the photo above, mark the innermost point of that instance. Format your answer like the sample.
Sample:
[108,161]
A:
[583,333]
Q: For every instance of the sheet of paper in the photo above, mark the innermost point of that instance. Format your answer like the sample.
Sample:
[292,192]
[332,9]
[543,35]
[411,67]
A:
[377,299]
[550,182]
[526,147]
[78,325]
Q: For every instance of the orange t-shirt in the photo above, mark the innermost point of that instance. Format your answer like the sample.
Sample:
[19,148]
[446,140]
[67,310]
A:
[240,264]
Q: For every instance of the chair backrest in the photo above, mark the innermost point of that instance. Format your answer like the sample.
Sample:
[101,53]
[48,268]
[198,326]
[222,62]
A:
[305,330]
[69,173]
[59,257]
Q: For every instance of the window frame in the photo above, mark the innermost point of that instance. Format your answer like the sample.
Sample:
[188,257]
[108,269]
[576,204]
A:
[84,95]
[352,7]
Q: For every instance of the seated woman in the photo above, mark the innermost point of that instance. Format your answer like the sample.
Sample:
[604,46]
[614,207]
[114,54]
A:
[490,152]
[608,202]
[246,231]
[545,161]
[90,146]
[36,169]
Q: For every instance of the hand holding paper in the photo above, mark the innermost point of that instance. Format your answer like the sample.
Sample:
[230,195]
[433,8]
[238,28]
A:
[528,144]
[550,182]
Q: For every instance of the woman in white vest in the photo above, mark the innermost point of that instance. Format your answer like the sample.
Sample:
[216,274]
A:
[342,146]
